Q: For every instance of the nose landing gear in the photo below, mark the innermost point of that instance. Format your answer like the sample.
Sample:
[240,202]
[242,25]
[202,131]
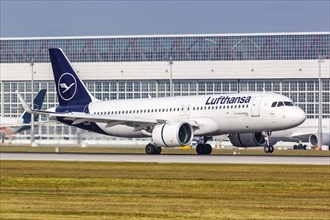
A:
[269,148]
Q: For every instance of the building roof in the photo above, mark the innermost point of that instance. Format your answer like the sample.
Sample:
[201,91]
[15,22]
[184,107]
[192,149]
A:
[165,35]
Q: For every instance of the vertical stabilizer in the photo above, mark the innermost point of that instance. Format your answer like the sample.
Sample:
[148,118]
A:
[37,102]
[70,89]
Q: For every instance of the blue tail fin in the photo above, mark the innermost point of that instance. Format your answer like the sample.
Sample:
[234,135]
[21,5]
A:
[70,89]
[37,102]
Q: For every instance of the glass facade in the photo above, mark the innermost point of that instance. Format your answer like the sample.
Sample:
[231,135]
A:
[161,48]
[106,90]
[304,92]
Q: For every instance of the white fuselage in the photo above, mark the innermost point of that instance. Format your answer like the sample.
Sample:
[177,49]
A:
[10,125]
[214,114]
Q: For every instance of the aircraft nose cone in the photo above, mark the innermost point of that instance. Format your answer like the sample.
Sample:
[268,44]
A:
[299,116]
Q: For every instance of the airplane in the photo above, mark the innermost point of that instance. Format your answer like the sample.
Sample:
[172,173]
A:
[170,121]
[306,132]
[10,125]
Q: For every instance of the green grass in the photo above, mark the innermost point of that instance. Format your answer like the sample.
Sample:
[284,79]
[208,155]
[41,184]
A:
[92,190]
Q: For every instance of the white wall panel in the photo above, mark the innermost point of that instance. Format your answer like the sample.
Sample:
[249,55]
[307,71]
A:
[181,70]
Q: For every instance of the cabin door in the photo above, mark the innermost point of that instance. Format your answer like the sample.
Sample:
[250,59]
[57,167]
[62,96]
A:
[255,110]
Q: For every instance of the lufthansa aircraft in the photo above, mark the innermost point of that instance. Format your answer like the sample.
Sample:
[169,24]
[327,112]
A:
[171,121]
[10,125]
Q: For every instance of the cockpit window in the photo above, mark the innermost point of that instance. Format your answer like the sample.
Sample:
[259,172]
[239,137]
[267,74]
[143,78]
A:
[288,103]
[282,103]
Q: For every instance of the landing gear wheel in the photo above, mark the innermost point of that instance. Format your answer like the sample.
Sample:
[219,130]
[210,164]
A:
[207,149]
[152,149]
[200,149]
[204,149]
[158,150]
[269,149]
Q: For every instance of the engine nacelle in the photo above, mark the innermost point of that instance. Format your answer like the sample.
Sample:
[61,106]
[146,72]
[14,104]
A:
[313,139]
[172,134]
[247,139]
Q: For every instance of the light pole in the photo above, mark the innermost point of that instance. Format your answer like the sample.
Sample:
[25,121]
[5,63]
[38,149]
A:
[319,130]
[170,62]
[32,104]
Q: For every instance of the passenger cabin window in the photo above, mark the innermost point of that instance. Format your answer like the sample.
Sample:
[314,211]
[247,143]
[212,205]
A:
[280,104]
[274,104]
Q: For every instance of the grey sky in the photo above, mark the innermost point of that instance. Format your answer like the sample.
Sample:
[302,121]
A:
[80,18]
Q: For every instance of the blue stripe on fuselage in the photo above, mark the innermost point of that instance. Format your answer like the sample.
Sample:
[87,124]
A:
[89,126]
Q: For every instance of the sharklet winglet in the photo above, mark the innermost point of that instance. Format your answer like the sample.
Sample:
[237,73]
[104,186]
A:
[25,105]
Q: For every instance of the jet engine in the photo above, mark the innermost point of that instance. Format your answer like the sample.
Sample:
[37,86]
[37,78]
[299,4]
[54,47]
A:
[247,139]
[313,139]
[172,134]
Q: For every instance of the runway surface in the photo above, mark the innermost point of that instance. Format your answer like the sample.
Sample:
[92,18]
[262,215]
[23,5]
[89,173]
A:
[163,158]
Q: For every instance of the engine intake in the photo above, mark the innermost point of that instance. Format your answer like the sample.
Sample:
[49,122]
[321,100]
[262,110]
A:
[172,134]
[247,139]
[313,139]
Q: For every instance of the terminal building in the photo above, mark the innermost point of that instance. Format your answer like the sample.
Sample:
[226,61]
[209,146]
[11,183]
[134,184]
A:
[133,67]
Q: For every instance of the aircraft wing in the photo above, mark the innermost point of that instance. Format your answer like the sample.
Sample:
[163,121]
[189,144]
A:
[304,137]
[296,136]
[301,136]
[79,117]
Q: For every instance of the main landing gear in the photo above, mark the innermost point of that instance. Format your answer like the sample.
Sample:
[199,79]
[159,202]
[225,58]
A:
[153,149]
[300,146]
[204,148]
[269,148]
[201,149]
